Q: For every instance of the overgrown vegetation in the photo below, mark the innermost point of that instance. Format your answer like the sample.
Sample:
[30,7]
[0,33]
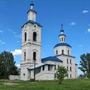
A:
[61,74]
[85,64]
[7,65]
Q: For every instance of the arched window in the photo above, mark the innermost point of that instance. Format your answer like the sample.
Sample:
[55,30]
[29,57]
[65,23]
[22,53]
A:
[62,51]
[43,68]
[70,69]
[49,67]
[34,36]
[62,39]
[70,61]
[56,52]
[55,67]
[24,56]
[34,55]
[67,61]
[68,52]
[70,75]
[25,36]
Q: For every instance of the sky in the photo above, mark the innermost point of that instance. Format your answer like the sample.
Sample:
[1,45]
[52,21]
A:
[73,14]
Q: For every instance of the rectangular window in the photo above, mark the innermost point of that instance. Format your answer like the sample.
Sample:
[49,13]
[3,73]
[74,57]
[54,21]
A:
[62,51]
[55,67]
[67,67]
[70,61]
[70,75]
[37,70]
[67,61]
[70,68]
[68,52]
[43,68]
[49,67]
[24,56]
[56,52]
[67,76]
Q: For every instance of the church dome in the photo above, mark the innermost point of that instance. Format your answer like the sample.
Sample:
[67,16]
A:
[62,44]
[62,48]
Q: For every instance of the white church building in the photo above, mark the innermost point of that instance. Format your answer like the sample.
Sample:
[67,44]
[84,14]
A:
[32,65]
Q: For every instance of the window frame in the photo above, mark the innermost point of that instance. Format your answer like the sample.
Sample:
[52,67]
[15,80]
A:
[34,56]
[62,52]
[34,36]
[25,36]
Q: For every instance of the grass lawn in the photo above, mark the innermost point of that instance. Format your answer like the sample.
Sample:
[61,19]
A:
[45,85]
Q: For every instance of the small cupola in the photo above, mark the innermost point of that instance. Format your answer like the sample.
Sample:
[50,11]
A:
[32,12]
[62,35]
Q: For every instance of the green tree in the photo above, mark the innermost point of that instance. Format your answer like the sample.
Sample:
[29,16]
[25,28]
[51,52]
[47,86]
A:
[7,65]
[85,64]
[61,73]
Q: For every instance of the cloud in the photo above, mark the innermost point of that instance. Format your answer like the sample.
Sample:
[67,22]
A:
[18,65]
[18,41]
[85,11]
[81,46]
[1,31]
[17,52]
[2,42]
[72,23]
[88,29]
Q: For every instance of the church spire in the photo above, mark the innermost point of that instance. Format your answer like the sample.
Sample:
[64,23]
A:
[31,12]
[62,35]
[32,5]
[61,30]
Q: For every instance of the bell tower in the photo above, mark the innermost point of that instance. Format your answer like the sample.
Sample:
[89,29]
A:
[31,43]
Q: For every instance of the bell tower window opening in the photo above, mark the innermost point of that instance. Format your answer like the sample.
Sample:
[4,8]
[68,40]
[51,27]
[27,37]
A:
[62,51]
[62,39]
[34,36]
[34,56]
[25,36]
[24,56]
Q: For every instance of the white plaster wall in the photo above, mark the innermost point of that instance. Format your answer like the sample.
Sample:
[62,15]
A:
[45,75]
[32,16]
[14,77]
[60,48]
[65,64]
[60,37]
[24,74]
[24,70]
